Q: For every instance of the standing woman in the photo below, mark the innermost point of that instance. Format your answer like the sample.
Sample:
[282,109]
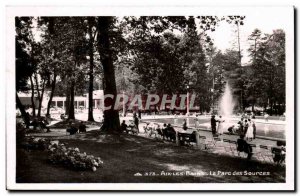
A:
[249,134]
[220,126]
[175,119]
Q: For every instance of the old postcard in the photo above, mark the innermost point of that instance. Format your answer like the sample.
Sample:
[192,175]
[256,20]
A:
[150,98]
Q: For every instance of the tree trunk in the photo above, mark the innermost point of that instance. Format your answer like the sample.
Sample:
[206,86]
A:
[41,99]
[67,104]
[24,115]
[38,93]
[111,116]
[32,96]
[51,94]
[71,114]
[91,87]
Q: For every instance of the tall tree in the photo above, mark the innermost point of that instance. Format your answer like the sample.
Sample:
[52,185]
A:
[24,67]
[269,71]
[51,53]
[252,91]
[238,21]
[91,36]
[72,55]
[111,117]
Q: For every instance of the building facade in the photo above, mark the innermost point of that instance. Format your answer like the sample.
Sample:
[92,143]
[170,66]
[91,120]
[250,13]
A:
[80,102]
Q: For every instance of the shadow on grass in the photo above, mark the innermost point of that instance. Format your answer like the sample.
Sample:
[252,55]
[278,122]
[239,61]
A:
[63,124]
[125,155]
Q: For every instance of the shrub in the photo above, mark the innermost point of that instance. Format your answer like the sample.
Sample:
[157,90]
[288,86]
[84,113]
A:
[58,153]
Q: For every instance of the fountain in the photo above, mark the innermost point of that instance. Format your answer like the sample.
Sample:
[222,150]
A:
[227,103]
[226,106]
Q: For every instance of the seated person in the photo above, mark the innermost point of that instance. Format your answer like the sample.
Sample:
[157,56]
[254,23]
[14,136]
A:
[230,129]
[132,127]
[279,152]
[34,123]
[63,116]
[243,146]
[233,129]
[44,124]
[164,131]
[71,129]
[171,133]
[191,138]
[160,131]
[124,126]
[82,127]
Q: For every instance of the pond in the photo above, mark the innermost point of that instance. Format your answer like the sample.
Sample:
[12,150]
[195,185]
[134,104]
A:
[265,129]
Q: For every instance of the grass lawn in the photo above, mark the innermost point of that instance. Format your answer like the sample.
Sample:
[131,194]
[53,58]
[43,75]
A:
[126,155]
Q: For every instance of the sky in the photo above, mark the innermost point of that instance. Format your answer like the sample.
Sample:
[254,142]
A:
[224,35]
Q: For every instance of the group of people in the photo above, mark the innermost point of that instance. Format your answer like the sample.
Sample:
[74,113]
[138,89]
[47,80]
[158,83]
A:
[167,131]
[247,128]
[133,127]
[217,126]
[39,122]
[73,129]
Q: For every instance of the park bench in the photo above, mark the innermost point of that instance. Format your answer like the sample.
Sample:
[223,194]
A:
[187,138]
[169,134]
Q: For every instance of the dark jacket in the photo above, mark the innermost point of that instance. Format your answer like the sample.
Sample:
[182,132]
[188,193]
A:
[123,127]
[243,146]
[213,122]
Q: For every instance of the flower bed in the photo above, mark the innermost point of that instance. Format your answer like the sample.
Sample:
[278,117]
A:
[36,143]
[60,154]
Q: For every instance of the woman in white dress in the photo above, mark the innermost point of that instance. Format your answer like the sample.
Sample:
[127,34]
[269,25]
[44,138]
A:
[175,119]
[220,129]
[249,134]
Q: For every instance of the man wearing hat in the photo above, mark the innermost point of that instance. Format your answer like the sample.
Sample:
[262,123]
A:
[213,122]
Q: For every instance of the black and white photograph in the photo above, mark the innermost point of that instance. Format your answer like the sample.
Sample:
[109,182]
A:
[161,98]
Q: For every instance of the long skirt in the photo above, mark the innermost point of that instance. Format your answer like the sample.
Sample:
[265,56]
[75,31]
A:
[249,133]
